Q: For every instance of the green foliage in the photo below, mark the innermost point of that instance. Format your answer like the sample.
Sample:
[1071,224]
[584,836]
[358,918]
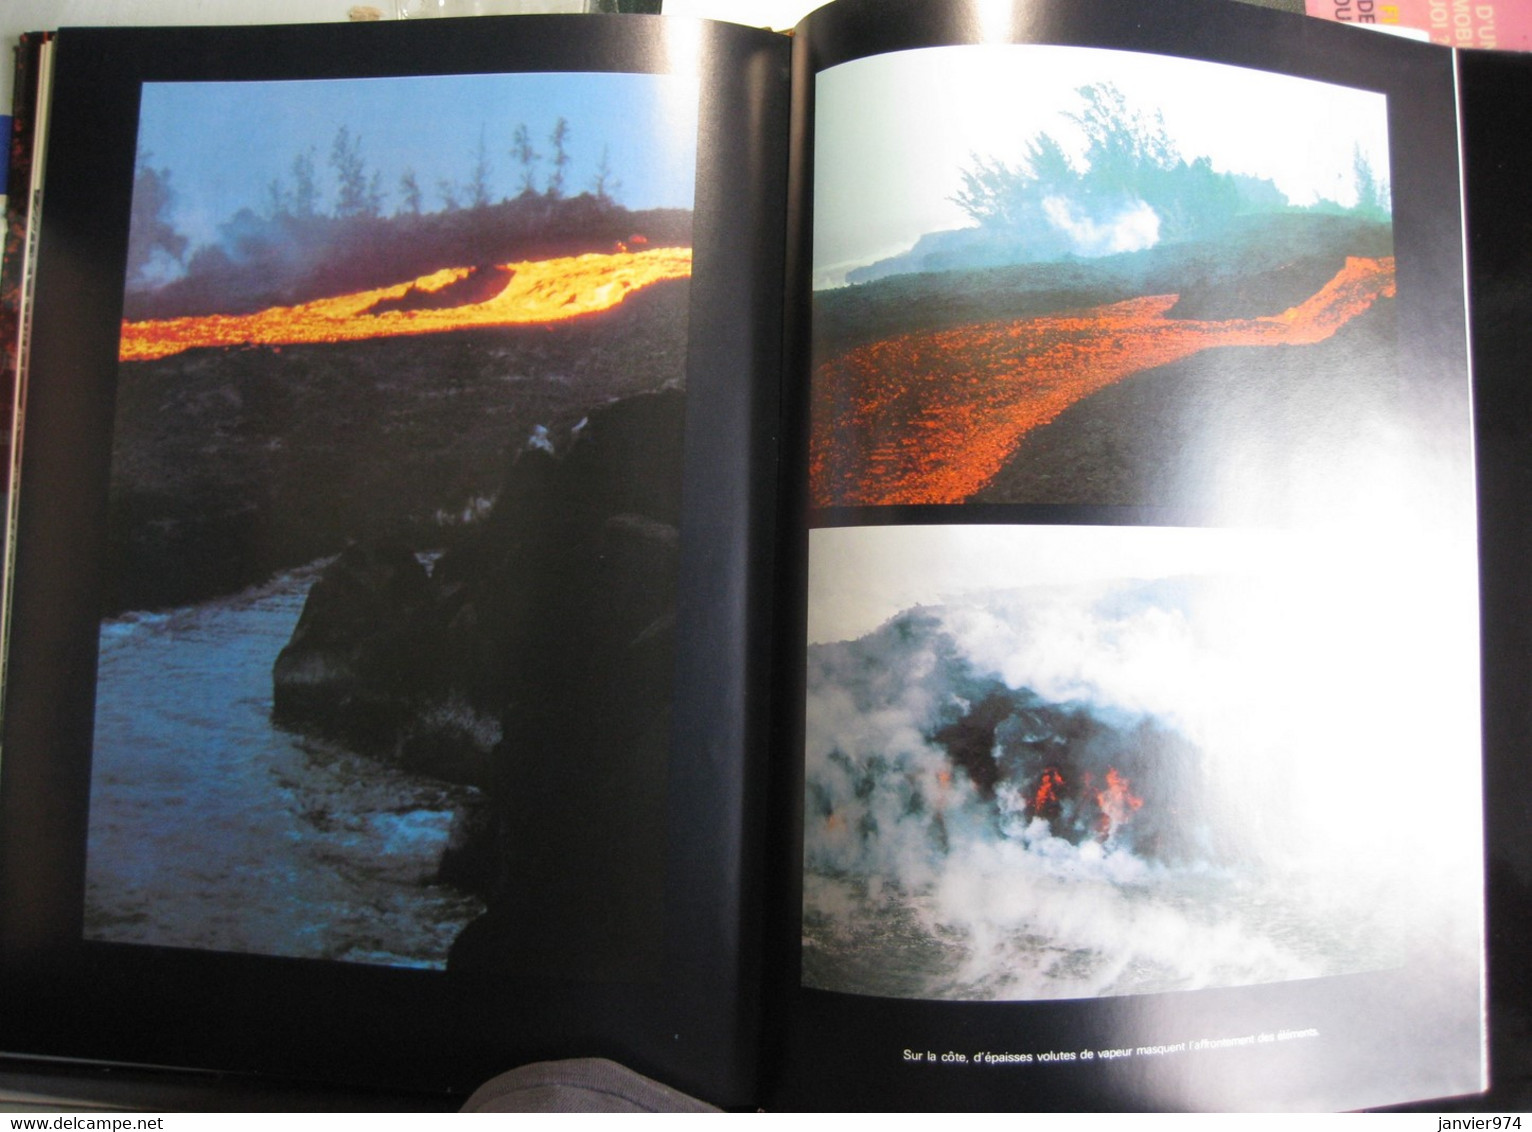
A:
[1014,199]
[1124,149]
[1373,199]
[1129,162]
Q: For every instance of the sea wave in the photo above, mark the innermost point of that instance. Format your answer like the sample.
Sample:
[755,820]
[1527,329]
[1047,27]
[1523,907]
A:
[212,829]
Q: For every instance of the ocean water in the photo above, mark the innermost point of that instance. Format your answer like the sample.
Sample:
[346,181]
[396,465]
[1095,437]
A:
[212,829]
[1009,923]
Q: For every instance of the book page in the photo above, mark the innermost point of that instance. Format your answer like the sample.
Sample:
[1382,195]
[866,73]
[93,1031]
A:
[1129,460]
[421,465]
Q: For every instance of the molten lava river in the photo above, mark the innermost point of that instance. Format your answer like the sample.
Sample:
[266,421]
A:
[931,416]
[539,291]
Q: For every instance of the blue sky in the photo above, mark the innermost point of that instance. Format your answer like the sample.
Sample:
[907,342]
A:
[224,143]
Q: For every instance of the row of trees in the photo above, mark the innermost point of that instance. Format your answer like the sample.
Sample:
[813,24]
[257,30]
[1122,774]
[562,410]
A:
[1129,161]
[307,210]
[358,193]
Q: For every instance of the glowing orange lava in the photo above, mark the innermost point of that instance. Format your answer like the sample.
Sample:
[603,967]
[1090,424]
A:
[540,291]
[930,417]
[1049,795]
[1117,803]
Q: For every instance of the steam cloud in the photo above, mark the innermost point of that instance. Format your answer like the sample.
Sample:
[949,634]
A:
[1132,228]
[1112,787]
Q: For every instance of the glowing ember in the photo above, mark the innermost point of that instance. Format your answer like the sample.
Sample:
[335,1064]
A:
[1049,795]
[1117,803]
[537,292]
[930,417]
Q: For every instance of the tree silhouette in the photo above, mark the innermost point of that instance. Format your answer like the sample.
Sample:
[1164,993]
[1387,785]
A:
[605,185]
[410,197]
[1130,163]
[277,199]
[1124,147]
[559,140]
[526,157]
[352,197]
[478,180]
[374,195]
[304,201]
[1372,192]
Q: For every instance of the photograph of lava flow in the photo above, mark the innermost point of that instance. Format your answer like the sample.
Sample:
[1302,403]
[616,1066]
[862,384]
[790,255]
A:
[1066,275]
[1070,762]
[398,418]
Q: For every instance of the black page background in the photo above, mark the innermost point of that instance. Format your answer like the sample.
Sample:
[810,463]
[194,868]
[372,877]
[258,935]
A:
[393,1028]
[844,1051]
[1497,121]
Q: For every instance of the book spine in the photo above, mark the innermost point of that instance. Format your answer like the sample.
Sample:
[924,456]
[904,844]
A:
[23,213]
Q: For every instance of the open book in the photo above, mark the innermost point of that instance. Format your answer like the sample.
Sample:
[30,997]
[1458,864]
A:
[928,563]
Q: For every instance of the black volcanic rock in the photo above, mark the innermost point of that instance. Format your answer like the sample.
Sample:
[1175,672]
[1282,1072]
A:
[230,465]
[1180,435]
[352,668]
[970,742]
[534,660]
[576,582]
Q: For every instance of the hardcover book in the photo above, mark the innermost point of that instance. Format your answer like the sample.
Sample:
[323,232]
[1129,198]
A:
[934,562]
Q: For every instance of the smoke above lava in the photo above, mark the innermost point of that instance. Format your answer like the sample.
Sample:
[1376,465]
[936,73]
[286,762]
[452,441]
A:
[1210,776]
